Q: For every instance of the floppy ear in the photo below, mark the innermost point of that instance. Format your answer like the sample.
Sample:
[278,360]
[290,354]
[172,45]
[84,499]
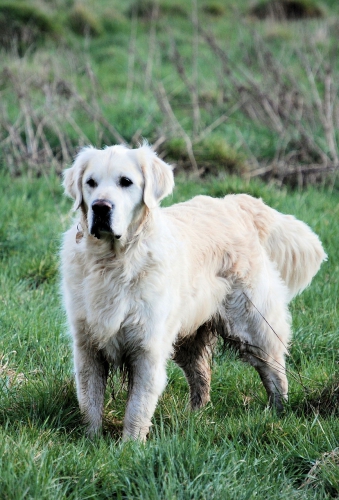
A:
[158,175]
[73,176]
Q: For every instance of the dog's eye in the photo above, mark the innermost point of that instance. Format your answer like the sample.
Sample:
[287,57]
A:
[125,182]
[91,183]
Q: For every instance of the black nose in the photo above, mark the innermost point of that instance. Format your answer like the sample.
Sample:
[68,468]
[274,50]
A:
[102,208]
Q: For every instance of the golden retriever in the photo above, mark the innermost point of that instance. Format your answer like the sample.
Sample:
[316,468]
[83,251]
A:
[142,284]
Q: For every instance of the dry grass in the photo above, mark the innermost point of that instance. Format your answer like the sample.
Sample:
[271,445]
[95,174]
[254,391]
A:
[8,376]
[322,470]
[298,111]
[201,93]
[45,126]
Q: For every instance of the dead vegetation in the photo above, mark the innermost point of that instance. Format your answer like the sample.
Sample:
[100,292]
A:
[302,113]
[324,401]
[45,127]
[45,117]
[325,473]
[8,376]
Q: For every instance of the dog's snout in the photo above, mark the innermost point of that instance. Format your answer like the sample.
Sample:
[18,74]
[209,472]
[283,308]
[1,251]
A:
[102,217]
[102,207]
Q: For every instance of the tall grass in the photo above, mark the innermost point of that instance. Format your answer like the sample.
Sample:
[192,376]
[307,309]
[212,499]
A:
[204,81]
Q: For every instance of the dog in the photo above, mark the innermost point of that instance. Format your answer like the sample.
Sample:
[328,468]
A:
[142,284]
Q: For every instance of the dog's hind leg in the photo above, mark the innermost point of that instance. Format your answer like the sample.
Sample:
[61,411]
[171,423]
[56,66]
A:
[273,376]
[194,354]
[270,333]
[260,333]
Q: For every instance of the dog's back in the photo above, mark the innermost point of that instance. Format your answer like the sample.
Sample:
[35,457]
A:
[290,243]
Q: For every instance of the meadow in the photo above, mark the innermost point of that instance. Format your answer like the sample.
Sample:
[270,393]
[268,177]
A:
[234,448]
[118,76]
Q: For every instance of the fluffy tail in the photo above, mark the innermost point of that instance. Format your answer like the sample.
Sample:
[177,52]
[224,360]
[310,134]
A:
[290,243]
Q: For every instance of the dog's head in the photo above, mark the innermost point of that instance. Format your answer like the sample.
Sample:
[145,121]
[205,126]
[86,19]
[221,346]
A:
[115,185]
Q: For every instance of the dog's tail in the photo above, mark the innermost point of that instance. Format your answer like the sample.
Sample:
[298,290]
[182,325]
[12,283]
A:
[290,243]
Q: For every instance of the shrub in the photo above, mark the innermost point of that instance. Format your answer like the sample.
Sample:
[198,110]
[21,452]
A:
[214,9]
[23,25]
[212,155]
[83,22]
[145,9]
[287,9]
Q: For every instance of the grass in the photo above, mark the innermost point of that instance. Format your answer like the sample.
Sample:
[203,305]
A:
[98,64]
[233,448]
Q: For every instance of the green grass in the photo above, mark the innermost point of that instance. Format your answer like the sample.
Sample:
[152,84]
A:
[235,448]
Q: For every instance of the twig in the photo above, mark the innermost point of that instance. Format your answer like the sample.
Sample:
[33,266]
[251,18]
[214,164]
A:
[328,113]
[151,46]
[195,73]
[167,109]
[158,142]
[131,56]
[179,65]
[100,118]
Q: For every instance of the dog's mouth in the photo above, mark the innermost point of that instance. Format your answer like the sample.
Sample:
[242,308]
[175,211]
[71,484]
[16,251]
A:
[101,226]
[98,233]
[101,229]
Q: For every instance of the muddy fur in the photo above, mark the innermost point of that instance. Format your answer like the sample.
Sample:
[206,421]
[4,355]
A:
[194,356]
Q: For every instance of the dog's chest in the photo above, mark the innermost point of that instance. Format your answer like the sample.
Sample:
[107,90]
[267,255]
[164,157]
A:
[116,299]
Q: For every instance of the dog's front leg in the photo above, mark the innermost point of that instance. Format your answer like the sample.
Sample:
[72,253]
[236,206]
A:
[91,371]
[147,381]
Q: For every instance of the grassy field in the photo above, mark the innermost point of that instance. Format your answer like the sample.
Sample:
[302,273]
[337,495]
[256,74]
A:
[73,73]
[234,448]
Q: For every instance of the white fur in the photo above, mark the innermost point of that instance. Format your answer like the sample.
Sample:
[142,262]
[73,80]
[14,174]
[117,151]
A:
[229,262]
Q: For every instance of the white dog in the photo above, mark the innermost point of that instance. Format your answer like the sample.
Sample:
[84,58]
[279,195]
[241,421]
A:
[143,283]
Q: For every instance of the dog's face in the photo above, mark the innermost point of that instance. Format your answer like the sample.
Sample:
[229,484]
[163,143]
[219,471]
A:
[113,187]
[112,190]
